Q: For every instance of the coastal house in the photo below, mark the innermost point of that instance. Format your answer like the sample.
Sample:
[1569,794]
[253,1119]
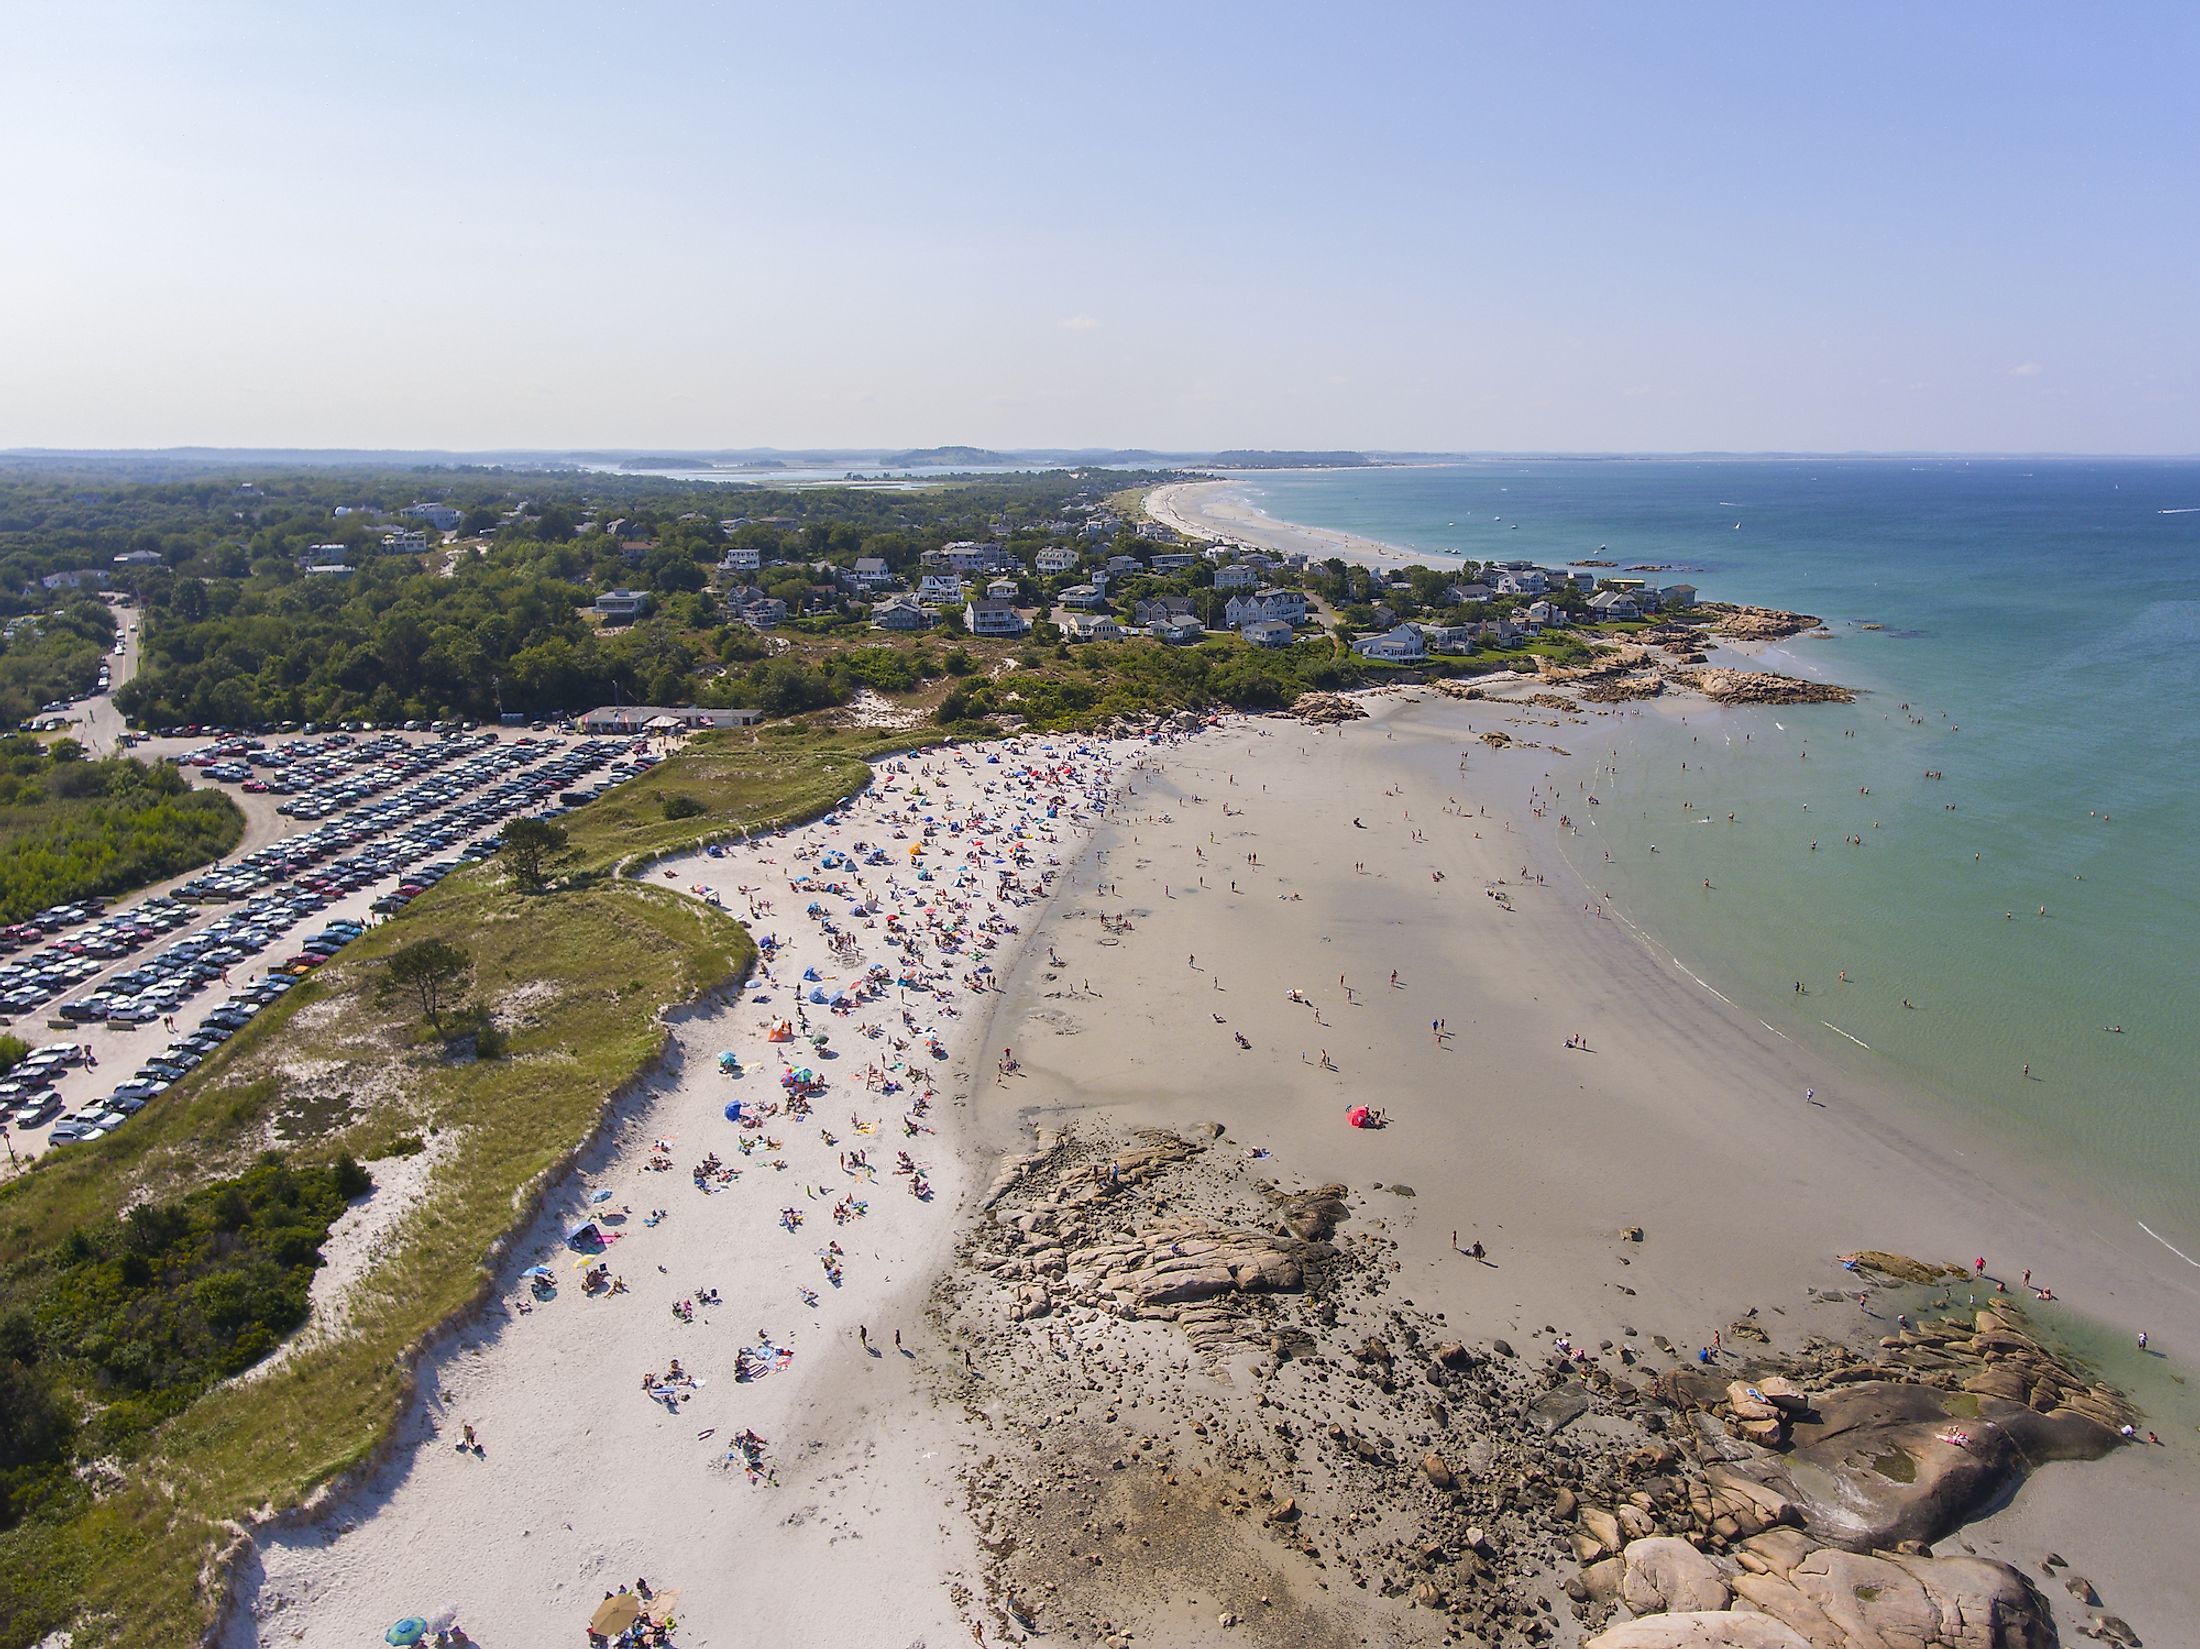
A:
[1091,627]
[1287,606]
[1529,583]
[1678,595]
[1236,576]
[1056,559]
[1614,604]
[622,606]
[1173,561]
[405,541]
[1122,566]
[753,606]
[741,558]
[74,580]
[1145,614]
[1463,593]
[994,618]
[942,589]
[442,517]
[1449,638]
[138,558]
[900,612]
[1266,632]
[327,569]
[1543,613]
[1402,645]
[1177,630]
[1086,597]
[872,573]
[969,556]
[1001,589]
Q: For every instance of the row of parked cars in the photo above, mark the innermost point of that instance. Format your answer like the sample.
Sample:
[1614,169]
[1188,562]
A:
[452,810]
[28,982]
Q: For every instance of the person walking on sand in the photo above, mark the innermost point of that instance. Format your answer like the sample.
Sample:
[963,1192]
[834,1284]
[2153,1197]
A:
[863,1336]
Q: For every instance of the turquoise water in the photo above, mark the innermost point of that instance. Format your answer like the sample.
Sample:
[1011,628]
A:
[2042,624]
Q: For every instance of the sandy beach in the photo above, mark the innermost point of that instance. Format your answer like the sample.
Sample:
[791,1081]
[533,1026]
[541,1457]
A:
[1242,934]
[1209,510]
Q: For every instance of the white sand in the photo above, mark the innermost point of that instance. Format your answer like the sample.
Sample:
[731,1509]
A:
[586,1482]
[1687,1119]
[1213,509]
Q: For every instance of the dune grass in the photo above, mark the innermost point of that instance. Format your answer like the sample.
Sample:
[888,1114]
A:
[578,978]
[746,781]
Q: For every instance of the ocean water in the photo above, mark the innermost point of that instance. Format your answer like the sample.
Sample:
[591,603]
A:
[2038,644]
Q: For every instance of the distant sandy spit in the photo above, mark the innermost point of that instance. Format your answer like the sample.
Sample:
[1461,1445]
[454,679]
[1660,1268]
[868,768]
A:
[1213,510]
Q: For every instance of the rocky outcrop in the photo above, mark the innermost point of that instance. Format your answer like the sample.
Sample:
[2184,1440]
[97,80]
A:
[1745,623]
[1724,686]
[1326,707]
[1820,1597]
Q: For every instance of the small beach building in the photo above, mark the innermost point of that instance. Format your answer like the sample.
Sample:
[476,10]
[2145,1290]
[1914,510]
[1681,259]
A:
[1087,597]
[1091,627]
[900,612]
[1266,632]
[621,606]
[1177,629]
[1402,645]
[994,618]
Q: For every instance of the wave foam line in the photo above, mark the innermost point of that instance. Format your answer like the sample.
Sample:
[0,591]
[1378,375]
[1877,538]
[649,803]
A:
[2166,1243]
[1859,1041]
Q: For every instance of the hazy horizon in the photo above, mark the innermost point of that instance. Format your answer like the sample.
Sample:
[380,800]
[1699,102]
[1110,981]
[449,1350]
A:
[1967,232]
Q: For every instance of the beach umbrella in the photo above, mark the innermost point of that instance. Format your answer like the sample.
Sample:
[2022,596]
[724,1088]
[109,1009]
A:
[602,1193]
[541,1271]
[615,1614]
[410,1630]
[444,1618]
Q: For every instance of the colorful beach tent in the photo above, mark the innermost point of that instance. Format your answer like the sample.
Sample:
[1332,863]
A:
[1359,1116]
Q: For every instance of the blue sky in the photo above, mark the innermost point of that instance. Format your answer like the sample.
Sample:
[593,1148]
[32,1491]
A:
[1579,227]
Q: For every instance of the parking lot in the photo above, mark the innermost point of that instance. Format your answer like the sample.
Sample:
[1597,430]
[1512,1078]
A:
[120,1003]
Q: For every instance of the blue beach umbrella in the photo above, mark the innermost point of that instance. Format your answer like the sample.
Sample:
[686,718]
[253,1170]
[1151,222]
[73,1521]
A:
[410,1630]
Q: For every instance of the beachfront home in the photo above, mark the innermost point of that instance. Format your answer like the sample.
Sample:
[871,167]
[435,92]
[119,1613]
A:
[1613,604]
[872,573]
[1177,630]
[1462,593]
[1122,566]
[1266,632]
[1236,576]
[1531,582]
[1002,589]
[942,589]
[753,606]
[900,612]
[1286,605]
[1088,597]
[1400,646]
[1055,559]
[1145,614]
[1547,615]
[1174,561]
[1678,595]
[622,606]
[994,618]
[1091,627]
[968,556]
[1449,638]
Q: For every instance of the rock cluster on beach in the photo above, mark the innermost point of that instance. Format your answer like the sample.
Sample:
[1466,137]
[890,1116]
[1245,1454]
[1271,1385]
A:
[1322,708]
[1724,686]
[1747,623]
[1193,1377]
